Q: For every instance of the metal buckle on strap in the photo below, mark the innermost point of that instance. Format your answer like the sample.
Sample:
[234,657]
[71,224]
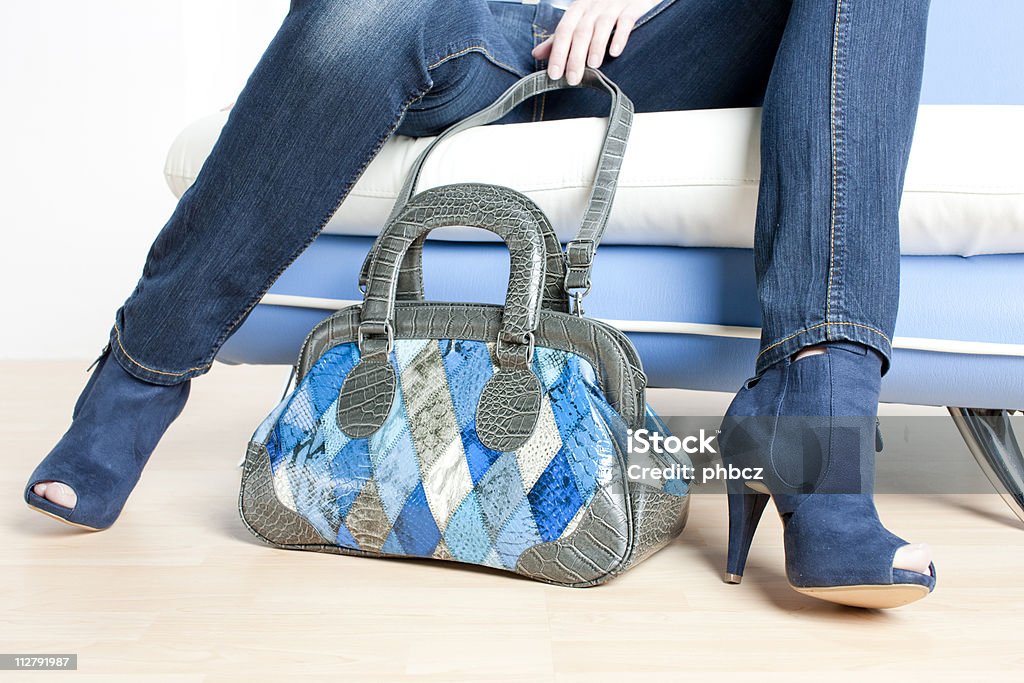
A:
[579,258]
[530,342]
[579,253]
[577,294]
[361,336]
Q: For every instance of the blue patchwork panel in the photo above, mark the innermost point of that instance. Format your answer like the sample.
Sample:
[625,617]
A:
[392,546]
[310,400]
[586,446]
[517,536]
[466,535]
[345,539]
[478,456]
[350,470]
[415,527]
[554,498]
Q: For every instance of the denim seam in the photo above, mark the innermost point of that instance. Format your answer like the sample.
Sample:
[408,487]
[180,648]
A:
[836,142]
[651,14]
[117,335]
[475,48]
[826,325]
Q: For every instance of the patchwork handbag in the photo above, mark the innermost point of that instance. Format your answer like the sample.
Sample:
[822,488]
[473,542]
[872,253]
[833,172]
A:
[484,434]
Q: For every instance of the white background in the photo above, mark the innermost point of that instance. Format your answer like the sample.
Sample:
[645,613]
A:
[91,96]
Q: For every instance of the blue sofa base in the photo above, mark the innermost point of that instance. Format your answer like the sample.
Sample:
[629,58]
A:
[973,299]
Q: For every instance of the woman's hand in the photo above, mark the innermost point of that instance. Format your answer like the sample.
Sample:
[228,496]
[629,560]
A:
[581,38]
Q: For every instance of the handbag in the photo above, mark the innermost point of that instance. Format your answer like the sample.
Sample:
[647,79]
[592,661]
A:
[476,433]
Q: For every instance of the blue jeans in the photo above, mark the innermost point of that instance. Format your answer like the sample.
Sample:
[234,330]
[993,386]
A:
[838,79]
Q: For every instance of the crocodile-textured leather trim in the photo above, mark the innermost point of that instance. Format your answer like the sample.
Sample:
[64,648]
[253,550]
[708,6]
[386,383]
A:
[658,517]
[504,212]
[508,410]
[366,398]
[594,552]
[620,120]
[410,276]
[261,510]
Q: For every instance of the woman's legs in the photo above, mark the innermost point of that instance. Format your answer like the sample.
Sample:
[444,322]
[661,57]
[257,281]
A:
[336,82]
[839,115]
[839,83]
[838,119]
[330,90]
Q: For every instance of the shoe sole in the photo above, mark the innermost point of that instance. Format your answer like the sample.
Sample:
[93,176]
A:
[61,519]
[868,596]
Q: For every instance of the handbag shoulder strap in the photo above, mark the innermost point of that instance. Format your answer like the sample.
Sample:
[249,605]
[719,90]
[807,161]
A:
[580,251]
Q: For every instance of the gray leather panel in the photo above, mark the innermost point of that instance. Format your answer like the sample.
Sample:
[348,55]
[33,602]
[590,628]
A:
[367,520]
[658,517]
[508,409]
[591,554]
[366,398]
[262,512]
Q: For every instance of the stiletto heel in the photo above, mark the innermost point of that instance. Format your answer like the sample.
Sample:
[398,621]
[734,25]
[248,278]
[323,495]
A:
[745,509]
[809,428]
[116,424]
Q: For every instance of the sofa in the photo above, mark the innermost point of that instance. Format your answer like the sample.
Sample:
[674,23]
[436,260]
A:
[681,233]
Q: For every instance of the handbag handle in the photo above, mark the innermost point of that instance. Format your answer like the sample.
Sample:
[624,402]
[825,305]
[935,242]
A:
[410,274]
[500,210]
[580,251]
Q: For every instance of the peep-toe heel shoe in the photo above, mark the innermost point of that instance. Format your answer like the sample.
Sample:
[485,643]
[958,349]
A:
[116,424]
[803,434]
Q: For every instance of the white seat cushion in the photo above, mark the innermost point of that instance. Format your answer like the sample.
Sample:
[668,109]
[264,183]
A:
[690,177]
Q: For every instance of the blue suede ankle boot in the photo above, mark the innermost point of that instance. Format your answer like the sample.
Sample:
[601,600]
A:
[803,433]
[116,424]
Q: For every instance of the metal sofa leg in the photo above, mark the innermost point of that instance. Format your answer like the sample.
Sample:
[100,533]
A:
[989,436]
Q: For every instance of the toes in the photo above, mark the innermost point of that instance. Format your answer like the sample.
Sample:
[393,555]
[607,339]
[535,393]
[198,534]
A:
[915,558]
[56,492]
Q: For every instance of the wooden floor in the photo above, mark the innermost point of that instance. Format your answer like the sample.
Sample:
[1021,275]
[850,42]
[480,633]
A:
[179,591]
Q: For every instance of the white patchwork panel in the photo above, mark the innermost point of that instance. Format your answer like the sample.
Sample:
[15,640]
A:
[283,488]
[535,455]
[407,349]
[447,482]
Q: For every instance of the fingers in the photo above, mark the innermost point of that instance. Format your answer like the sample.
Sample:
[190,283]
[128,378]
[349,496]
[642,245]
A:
[588,31]
[599,41]
[579,50]
[543,50]
[623,28]
[561,42]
